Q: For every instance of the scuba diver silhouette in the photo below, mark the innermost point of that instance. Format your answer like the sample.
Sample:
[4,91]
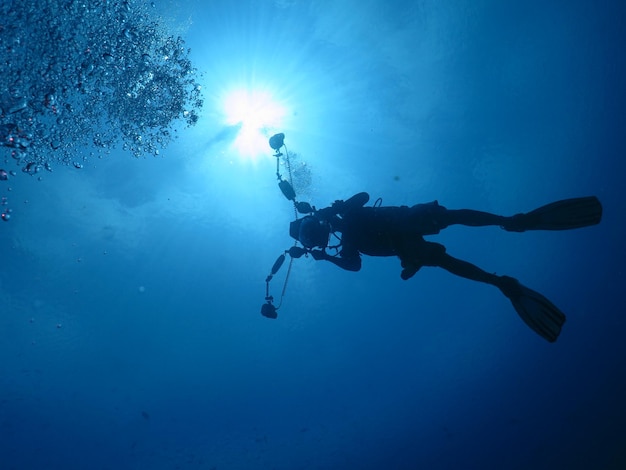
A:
[399,231]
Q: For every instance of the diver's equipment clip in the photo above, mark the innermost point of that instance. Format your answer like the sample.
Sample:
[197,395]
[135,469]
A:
[268,309]
[277,142]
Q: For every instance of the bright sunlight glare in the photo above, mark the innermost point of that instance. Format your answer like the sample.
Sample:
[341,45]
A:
[258,114]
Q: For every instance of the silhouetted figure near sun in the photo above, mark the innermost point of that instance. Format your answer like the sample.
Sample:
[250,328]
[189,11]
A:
[344,231]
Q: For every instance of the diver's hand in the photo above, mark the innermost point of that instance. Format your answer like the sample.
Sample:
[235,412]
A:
[409,269]
[318,254]
[338,206]
[327,213]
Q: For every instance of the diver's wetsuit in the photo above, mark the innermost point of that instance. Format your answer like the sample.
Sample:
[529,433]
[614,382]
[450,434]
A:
[398,231]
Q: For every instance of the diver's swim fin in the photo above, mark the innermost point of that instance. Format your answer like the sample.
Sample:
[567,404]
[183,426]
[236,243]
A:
[537,312]
[560,215]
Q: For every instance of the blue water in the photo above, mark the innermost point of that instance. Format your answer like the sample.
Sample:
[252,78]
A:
[130,326]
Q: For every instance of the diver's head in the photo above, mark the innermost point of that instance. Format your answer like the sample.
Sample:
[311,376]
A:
[310,231]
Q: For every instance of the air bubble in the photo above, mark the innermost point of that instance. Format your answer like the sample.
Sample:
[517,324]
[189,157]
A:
[88,76]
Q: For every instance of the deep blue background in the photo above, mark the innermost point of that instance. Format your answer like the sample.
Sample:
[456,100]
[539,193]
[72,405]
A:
[130,333]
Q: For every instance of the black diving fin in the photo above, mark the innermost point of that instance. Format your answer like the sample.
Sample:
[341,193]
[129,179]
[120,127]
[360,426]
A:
[560,215]
[538,313]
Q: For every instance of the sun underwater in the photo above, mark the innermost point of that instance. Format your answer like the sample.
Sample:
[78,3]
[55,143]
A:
[255,114]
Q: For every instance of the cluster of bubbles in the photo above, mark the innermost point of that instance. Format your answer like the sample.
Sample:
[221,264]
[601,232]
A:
[300,175]
[95,74]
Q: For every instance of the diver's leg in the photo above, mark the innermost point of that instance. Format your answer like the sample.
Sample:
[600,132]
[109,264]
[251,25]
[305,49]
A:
[541,315]
[466,270]
[470,217]
[560,215]
[431,218]
[509,286]
[415,253]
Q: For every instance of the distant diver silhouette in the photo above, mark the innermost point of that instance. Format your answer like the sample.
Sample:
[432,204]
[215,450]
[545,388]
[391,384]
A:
[399,230]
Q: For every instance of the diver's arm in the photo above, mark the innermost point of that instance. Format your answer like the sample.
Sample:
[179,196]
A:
[356,201]
[341,207]
[352,263]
